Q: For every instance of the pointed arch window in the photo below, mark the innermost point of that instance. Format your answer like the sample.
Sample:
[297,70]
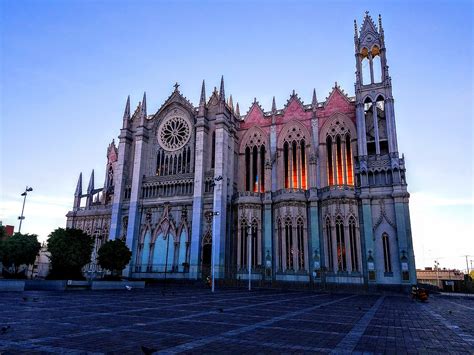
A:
[387,261]
[340,245]
[262,168]
[329,244]
[286,153]
[340,168]
[213,153]
[382,125]
[365,66]
[354,245]
[243,243]
[289,243]
[350,173]
[255,176]
[376,64]
[330,162]
[300,238]
[303,164]
[247,169]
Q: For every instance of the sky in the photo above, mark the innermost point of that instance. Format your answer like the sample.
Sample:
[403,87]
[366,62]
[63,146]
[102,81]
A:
[68,66]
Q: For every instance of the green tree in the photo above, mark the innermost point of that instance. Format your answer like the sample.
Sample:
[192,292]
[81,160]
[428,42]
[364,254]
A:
[70,250]
[19,249]
[114,255]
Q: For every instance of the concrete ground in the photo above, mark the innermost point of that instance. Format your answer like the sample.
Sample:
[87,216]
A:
[192,320]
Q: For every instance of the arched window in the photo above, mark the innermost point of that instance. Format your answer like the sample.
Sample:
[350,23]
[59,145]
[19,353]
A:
[354,245]
[280,245]
[255,176]
[243,243]
[289,243]
[294,170]
[340,245]
[330,162]
[329,244]
[213,153]
[382,125]
[247,169]
[262,168]
[158,163]
[300,238]
[387,261]
[369,126]
[340,169]
[365,66]
[287,164]
[376,64]
[303,164]
[350,173]
[254,243]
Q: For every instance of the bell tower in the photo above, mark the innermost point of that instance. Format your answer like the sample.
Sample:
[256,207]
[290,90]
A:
[375,115]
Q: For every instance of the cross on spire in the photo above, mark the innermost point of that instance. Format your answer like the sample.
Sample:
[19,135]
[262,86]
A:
[176,86]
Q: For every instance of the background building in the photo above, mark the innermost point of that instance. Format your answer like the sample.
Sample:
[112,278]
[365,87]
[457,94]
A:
[306,192]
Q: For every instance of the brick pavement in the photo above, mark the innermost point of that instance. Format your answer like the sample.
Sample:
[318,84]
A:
[192,320]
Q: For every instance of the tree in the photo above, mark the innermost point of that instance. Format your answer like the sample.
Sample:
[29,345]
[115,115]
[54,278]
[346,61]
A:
[114,255]
[19,249]
[70,250]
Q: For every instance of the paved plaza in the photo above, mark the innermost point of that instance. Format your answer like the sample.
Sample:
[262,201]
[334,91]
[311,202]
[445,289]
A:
[192,320]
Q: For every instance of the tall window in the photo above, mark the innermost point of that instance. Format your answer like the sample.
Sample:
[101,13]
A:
[382,125]
[300,237]
[350,173]
[341,246]
[329,244]
[213,153]
[386,253]
[255,176]
[340,169]
[247,169]
[303,165]
[286,152]
[280,245]
[262,168]
[365,64]
[330,166]
[376,64]
[289,243]
[243,243]
[354,249]
[254,243]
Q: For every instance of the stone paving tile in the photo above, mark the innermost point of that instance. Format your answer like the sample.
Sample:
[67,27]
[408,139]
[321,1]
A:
[193,320]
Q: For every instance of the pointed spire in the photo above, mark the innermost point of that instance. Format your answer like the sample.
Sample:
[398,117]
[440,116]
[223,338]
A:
[231,103]
[79,186]
[274,107]
[314,102]
[126,113]
[237,110]
[143,114]
[356,32]
[90,188]
[202,100]
[221,90]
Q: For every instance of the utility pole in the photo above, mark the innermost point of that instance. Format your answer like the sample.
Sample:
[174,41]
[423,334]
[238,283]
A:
[21,218]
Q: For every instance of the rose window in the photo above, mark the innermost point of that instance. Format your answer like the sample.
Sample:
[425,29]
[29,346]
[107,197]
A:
[174,133]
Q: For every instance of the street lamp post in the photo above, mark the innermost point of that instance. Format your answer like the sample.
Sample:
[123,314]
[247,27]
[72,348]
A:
[21,218]
[437,272]
[213,245]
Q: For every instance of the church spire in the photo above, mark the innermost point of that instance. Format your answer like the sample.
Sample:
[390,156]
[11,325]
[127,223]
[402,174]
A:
[90,188]
[126,113]
[237,110]
[143,114]
[79,186]
[314,102]
[202,100]
[221,90]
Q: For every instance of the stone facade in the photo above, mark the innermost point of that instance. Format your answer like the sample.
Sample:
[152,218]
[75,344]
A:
[309,192]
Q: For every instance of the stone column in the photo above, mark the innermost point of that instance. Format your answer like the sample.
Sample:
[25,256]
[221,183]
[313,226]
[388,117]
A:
[391,126]
[196,231]
[134,216]
[273,158]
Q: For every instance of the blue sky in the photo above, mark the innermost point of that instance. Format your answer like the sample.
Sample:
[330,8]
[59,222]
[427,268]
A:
[68,66]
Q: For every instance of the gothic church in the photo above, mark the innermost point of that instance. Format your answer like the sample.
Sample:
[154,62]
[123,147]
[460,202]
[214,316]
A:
[305,193]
